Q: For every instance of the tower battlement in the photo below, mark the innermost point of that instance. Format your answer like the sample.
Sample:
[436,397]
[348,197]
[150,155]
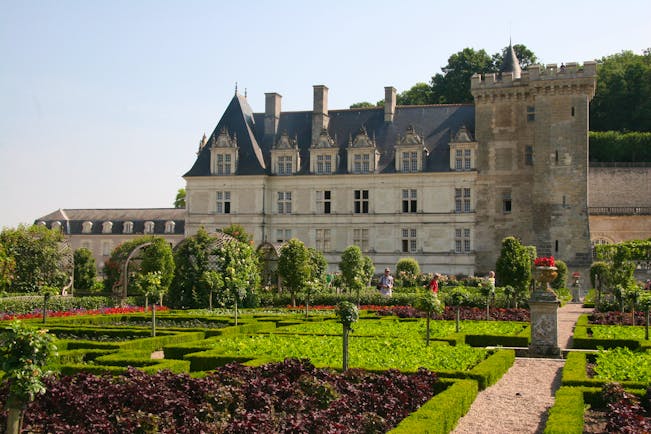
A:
[534,73]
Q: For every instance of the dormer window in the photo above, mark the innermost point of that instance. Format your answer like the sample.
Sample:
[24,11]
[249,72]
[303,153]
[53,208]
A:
[363,156]
[410,152]
[56,225]
[223,154]
[285,155]
[463,151]
[324,155]
[87,227]
[107,227]
[149,227]
[127,228]
[169,227]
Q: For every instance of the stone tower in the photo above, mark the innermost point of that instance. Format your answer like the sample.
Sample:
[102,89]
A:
[532,159]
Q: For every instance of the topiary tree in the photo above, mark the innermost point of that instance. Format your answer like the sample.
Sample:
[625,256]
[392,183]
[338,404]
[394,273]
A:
[352,269]
[151,284]
[513,266]
[457,298]
[369,270]
[561,278]
[295,267]
[347,313]
[85,269]
[645,304]
[430,303]
[408,265]
[158,258]
[599,277]
[213,281]
[24,351]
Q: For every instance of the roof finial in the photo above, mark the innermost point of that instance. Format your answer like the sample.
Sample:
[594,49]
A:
[236,88]
[245,93]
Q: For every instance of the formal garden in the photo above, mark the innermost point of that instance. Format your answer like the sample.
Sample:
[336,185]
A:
[216,337]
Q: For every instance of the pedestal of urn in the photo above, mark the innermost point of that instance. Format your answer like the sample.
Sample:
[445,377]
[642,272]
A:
[543,306]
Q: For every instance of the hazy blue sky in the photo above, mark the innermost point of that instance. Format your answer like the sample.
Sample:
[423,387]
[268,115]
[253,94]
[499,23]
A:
[103,103]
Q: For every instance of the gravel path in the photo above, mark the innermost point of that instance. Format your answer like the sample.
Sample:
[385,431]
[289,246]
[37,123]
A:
[518,403]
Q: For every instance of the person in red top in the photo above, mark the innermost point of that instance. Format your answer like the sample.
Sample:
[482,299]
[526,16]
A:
[434,283]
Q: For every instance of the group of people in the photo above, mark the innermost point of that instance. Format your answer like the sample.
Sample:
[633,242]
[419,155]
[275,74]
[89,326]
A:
[385,284]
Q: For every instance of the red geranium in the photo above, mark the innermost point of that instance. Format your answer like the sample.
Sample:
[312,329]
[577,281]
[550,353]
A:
[544,262]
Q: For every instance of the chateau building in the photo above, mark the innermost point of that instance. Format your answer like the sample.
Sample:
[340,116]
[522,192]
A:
[102,230]
[440,183]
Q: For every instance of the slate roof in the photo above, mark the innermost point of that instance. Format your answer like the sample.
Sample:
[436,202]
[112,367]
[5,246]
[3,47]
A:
[72,219]
[511,63]
[435,123]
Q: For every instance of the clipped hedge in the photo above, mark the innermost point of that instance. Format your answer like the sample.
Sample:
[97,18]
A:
[441,413]
[575,374]
[31,303]
[583,340]
[566,416]
[609,146]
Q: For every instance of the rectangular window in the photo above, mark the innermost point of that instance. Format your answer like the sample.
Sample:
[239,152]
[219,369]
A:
[467,159]
[223,202]
[457,200]
[528,155]
[106,248]
[366,165]
[283,235]
[409,201]
[223,164]
[531,113]
[285,165]
[506,202]
[462,240]
[408,240]
[324,164]
[284,202]
[361,201]
[323,201]
[410,162]
[360,239]
[466,200]
[323,240]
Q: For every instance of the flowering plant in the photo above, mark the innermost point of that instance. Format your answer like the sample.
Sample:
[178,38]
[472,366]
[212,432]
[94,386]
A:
[544,262]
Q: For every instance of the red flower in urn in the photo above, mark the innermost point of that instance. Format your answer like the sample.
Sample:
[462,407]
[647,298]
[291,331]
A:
[544,262]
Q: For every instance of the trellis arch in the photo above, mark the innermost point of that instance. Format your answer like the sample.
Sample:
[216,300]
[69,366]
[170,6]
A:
[269,254]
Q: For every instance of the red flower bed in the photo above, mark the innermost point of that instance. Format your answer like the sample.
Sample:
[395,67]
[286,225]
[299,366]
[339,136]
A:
[77,312]
[616,318]
[287,397]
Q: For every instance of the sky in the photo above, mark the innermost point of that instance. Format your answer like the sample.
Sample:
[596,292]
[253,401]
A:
[103,103]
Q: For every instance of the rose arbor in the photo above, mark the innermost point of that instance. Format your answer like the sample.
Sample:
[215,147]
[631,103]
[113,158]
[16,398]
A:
[543,306]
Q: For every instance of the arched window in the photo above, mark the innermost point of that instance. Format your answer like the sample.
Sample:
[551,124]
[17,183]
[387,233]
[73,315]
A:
[107,227]
[149,227]
[127,228]
[169,227]
[87,227]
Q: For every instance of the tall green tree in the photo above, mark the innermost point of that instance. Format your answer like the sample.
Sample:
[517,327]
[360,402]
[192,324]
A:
[453,85]
[295,267]
[513,266]
[319,265]
[7,266]
[37,254]
[179,201]
[622,101]
[418,94]
[85,269]
[352,269]
[525,56]
[192,257]
[238,265]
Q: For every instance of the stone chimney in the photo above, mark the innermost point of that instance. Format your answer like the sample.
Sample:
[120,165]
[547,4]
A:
[389,103]
[320,112]
[271,113]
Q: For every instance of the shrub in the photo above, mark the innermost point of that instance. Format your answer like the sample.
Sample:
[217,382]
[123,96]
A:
[408,265]
[561,278]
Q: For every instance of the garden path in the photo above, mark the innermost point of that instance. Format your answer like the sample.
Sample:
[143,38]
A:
[519,402]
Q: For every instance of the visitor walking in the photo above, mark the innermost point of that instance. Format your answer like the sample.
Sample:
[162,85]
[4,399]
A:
[385,285]
[434,283]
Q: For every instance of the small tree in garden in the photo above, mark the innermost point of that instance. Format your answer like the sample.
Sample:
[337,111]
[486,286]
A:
[513,266]
[599,277]
[347,313]
[369,270]
[487,290]
[631,295]
[645,304]
[85,269]
[213,282]
[457,298]
[238,265]
[47,292]
[294,265]
[24,351]
[430,303]
[151,285]
[352,269]
[191,258]
[239,233]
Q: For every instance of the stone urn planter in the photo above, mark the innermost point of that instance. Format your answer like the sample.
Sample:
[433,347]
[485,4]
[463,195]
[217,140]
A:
[542,289]
[543,306]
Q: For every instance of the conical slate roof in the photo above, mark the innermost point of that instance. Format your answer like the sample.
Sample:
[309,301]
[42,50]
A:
[511,63]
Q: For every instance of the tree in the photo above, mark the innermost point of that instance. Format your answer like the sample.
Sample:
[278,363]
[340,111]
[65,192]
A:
[192,257]
[319,265]
[37,254]
[7,267]
[158,257]
[24,351]
[347,313]
[85,269]
[363,104]
[151,284]
[599,277]
[368,270]
[238,232]
[352,269]
[238,265]
[179,202]
[622,100]
[513,266]
[453,86]
[419,94]
[408,265]
[430,303]
[294,266]
[525,56]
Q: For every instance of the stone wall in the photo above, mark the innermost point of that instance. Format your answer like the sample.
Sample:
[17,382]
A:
[619,187]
